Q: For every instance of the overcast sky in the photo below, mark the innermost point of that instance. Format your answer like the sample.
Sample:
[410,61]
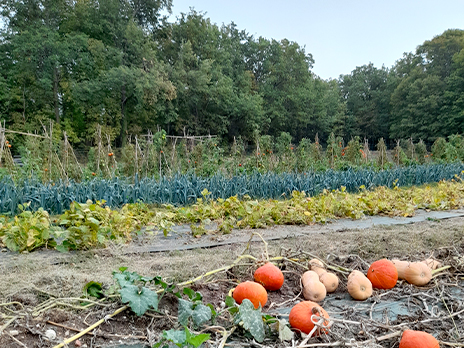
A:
[340,34]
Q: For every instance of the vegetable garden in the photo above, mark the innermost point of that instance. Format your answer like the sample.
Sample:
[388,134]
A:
[57,211]
[206,311]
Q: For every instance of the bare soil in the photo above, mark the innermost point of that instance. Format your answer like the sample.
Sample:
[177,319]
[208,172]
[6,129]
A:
[28,282]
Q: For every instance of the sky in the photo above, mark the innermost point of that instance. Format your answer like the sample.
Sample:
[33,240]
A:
[340,34]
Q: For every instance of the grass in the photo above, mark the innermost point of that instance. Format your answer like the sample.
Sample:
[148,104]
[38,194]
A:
[64,275]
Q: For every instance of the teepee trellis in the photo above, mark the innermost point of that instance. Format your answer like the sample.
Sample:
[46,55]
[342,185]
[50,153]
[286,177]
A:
[112,158]
[5,153]
[2,140]
[69,158]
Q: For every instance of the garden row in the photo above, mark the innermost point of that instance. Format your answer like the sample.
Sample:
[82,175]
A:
[185,189]
[88,225]
[51,157]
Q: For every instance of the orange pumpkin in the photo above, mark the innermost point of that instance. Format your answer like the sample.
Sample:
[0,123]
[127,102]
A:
[300,317]
[269,276]
[252,291]
[418,339]
[383,274]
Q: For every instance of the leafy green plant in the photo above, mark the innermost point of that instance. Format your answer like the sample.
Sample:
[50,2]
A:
[182,338]
[194,309]
[87,225]
[190,311]
[439,150]
[256,323]
[353,152]
[134,292]
[93,289]
[27,231]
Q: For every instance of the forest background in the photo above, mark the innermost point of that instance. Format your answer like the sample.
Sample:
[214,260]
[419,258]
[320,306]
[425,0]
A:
[122,66]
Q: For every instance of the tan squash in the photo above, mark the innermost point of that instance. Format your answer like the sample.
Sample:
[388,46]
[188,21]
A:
[418,273]
[432,263]
[400,267]
[315,263]
[309,276]
[320,271]
[317,266]
[355,273]
[314,290]
[330,281]
[359,287]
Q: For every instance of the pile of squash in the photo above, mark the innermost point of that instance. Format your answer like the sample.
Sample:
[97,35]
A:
[317,282]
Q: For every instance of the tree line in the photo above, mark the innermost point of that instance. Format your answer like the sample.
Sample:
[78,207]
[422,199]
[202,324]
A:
[121,64]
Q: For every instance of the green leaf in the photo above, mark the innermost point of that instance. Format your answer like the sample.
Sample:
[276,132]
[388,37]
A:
[231,305]
[251,319]
[126,278]
[201,314]
[281,326]
[140,299]
[184,311]
[195,340]
[230,302]
[62,248]
[175,336]
[193,296]
[213,312]
[93,289]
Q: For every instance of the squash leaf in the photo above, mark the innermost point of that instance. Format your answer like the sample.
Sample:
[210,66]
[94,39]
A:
[93,289]
[195,340]
[184,311]
[175,336]
[126,278]
[251,319]
[201,314]
[140,298]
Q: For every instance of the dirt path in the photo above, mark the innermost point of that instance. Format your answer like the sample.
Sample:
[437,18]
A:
[31,278]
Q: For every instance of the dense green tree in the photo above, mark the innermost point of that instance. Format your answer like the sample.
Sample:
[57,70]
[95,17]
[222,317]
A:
[424,100]
[367,98]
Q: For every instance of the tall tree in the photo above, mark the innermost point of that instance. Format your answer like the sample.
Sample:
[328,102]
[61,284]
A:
[367,98]
[423,103]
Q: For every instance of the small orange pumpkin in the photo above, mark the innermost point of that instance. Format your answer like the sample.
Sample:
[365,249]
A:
[418,273]
[300,317]
[359,286]
[418,339]
[252,291]
[269,276]
[382,274]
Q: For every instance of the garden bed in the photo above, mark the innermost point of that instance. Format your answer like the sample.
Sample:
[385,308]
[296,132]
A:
[44,290]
